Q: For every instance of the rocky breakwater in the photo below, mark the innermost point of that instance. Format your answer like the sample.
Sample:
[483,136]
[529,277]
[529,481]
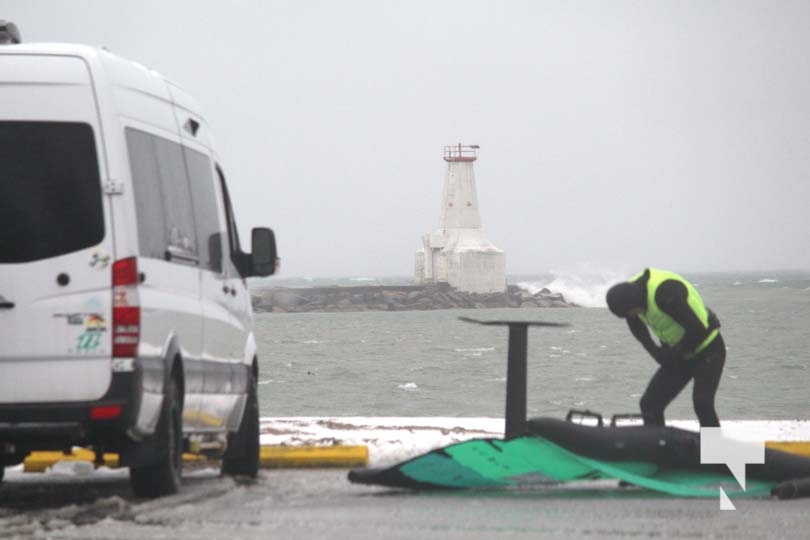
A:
[396,298]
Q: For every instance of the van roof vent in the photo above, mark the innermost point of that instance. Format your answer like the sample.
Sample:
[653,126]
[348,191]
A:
[192,126]
[9,33]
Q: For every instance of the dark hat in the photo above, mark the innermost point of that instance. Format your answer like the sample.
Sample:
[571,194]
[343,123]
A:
[9,33]
[623,297]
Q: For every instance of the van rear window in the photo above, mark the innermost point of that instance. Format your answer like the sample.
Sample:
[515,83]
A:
[50,190]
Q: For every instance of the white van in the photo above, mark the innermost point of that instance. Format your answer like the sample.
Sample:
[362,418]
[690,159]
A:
[125,320]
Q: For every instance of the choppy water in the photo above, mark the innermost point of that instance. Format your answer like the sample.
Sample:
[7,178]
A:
[428,363]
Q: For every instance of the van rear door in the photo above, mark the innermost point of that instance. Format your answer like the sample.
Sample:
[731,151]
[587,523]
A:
[55,234]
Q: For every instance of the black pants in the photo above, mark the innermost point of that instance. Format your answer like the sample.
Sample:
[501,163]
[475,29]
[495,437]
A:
[669,380]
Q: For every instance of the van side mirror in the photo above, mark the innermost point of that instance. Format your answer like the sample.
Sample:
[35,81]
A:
[263,252]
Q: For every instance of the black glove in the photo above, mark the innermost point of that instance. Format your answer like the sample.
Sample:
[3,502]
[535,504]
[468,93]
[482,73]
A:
[667,357]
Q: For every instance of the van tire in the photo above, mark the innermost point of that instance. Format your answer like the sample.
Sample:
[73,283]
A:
[242,455]
[163,476]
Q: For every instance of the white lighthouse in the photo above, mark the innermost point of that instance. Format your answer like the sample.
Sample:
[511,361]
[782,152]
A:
[458,253]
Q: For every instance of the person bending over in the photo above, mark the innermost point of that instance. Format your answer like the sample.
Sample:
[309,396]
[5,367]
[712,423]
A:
[689,332]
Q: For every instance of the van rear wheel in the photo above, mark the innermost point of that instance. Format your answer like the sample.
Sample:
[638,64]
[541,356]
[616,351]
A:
[242,456]
[162,477]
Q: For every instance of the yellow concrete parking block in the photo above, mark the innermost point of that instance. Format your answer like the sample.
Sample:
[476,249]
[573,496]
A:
[273,457]
[800,448]
[283,457]
[40,461]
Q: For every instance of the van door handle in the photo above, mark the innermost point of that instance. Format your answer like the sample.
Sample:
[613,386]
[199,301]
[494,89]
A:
[6,305]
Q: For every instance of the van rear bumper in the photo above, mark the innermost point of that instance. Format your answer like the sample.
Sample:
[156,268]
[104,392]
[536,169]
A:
[25,427]
[40,430]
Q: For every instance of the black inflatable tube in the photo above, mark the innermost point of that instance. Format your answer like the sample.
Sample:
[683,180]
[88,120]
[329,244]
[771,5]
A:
[792,489]
[666,447]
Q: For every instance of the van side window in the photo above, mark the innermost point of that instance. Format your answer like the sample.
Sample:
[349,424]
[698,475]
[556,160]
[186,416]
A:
[237,256]
[181,235]
[148,195]
[206,215]
[166,228]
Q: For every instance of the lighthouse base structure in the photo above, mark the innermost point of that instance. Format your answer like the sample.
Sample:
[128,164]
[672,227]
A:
[463,259]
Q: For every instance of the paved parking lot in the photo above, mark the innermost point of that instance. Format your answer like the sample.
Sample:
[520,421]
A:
[322,504]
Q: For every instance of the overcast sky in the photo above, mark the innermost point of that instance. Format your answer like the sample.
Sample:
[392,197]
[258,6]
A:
[613,134]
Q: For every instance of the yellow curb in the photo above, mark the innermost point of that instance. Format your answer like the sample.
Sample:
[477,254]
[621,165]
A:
[800,448]
[283,457]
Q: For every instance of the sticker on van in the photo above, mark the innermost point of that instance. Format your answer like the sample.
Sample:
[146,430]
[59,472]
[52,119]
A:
[99,258]
[94,327]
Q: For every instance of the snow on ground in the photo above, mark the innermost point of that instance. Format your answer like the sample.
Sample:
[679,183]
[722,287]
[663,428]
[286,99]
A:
[389,439]
[393,439]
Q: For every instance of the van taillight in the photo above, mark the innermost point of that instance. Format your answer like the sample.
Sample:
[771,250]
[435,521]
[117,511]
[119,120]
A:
[125,272]
[126,308]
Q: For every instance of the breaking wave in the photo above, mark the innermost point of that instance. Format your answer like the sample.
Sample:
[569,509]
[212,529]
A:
[584,287]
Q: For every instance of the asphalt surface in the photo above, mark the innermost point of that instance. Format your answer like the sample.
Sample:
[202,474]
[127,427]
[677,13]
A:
[314,504]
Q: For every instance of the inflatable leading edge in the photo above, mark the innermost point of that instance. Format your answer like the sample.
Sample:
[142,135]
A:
[667,447]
